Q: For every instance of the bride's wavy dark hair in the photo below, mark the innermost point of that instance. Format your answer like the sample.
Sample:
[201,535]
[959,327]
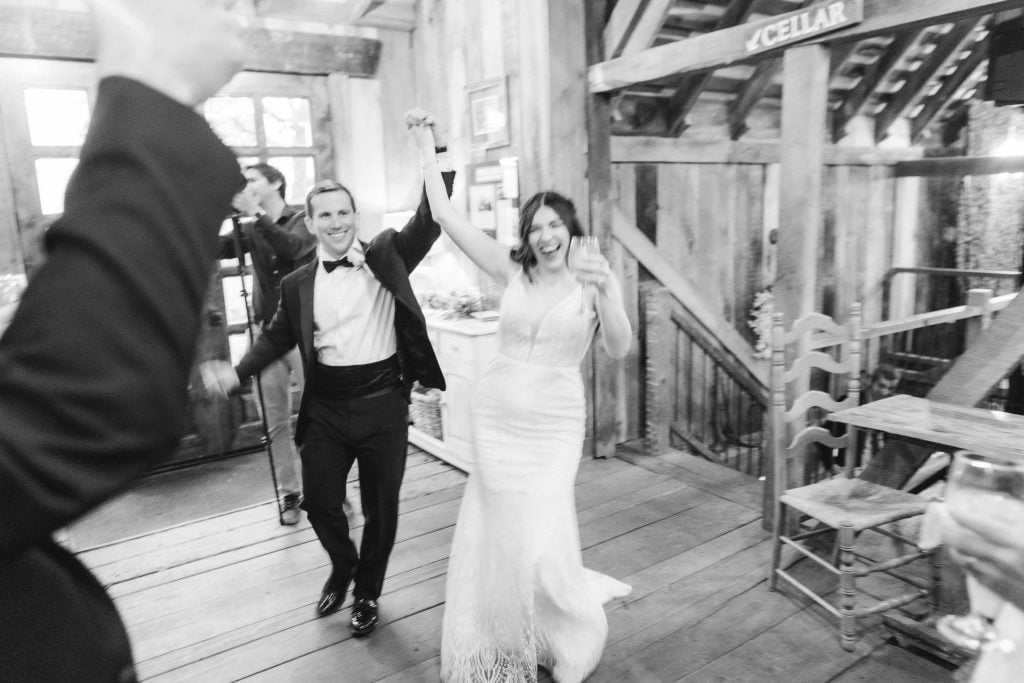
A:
[563,206]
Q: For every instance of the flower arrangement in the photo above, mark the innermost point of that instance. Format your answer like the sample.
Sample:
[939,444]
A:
[455,304]
[760,321]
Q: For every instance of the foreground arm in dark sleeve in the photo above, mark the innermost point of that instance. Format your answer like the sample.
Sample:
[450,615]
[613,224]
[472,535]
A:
[94,367]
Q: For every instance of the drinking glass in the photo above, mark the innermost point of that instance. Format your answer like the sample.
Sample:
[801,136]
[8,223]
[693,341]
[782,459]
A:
[580,249]
[981,483]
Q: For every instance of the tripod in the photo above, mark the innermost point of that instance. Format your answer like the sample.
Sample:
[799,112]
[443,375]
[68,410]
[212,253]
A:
[265,443]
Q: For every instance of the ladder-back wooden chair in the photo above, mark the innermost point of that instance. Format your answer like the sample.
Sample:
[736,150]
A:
[828,503]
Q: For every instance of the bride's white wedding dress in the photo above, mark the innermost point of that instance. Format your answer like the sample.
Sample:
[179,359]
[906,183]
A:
[517,593]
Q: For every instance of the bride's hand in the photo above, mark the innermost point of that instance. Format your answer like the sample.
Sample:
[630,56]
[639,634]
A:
[423,134]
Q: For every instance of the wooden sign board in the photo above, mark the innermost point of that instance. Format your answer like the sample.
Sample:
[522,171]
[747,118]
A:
[795,27]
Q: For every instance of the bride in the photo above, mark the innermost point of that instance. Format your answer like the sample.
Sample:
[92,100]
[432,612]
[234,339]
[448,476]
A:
[517,594]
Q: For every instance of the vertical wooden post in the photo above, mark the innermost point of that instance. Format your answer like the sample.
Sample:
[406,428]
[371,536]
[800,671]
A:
[609,379]
[356,125]
[658,340]
[980,299]
[804,114]
[904,246]
[565,147]
[553,99]
[804,109]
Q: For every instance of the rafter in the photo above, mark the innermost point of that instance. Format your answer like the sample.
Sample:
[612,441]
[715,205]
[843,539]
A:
[43,33]
[620,25]
[634,26]
[936,102]
[951,45]
[750,93]
[691,85]
[874,74]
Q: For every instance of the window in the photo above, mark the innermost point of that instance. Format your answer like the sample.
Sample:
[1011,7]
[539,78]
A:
[274,129]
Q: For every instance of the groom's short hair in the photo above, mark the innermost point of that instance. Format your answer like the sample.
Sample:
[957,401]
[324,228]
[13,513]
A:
[323,187]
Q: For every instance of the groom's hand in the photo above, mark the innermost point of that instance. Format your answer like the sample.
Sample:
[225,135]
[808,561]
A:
[219,377]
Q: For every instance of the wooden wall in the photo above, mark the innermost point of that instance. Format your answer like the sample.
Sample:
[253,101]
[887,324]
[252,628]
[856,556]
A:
[715,223]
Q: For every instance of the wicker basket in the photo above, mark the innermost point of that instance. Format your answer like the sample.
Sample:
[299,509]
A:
[425,411]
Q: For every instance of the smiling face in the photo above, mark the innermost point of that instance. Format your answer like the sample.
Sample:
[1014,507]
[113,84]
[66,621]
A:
[333,221]
[548,239]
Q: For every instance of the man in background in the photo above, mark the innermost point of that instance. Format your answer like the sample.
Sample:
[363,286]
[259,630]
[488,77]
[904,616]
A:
[276,237]
[94,366]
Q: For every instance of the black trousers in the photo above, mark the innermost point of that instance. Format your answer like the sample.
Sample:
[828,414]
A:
[373,431]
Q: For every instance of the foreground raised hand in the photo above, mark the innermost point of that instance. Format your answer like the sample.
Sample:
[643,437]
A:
[186,49]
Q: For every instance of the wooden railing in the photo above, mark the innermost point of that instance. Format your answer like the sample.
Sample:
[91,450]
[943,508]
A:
[698,395]
[925,345]
[705,391]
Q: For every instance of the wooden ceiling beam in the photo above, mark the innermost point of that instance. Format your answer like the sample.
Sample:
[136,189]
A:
[948,47]
[64,34]
[937,102]
[958,166]
[621,23]
[691,85]
[634,25]
[873,75]
[659,150]
[727,46]
[749,94]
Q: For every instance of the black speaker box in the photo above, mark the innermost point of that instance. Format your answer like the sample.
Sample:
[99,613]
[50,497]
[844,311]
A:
[1005,84]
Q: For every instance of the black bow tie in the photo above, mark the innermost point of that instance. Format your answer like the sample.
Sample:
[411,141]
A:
[343,261]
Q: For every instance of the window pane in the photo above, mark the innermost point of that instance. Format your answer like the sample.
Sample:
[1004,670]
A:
[233,119]
[52,180]
[286,122]
[57,117]
[234,304]
[300,174]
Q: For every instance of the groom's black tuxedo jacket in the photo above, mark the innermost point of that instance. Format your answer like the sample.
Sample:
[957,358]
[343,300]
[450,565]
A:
[390,256]
[94,366]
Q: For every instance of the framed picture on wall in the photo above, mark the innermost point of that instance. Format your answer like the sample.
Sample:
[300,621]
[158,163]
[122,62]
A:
[488,113]
[483,206]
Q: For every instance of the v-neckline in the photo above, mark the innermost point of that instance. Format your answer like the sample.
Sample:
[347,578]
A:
[535,331]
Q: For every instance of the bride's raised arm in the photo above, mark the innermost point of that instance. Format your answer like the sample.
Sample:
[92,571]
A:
[487,253]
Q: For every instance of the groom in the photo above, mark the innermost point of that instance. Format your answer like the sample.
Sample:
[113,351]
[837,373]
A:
[363,341]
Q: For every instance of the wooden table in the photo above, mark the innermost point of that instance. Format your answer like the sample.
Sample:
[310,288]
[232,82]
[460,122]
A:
[989,432]
[949,427]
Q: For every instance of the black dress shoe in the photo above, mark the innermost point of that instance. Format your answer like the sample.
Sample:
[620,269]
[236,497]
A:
[332,597]
[364,617]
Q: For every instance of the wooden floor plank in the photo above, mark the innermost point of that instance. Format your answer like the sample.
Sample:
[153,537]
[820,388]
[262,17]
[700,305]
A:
[666,537]
[740,488]
[891,663]
[766,656]
[234,545]
[232,596]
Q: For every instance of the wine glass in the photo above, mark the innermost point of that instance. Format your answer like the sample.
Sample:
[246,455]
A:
[581,249]
[981,483]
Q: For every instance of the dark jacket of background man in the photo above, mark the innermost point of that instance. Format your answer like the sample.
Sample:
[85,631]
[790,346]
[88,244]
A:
[276,248]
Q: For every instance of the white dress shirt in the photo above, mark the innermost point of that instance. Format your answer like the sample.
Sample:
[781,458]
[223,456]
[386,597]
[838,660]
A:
[353,314]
